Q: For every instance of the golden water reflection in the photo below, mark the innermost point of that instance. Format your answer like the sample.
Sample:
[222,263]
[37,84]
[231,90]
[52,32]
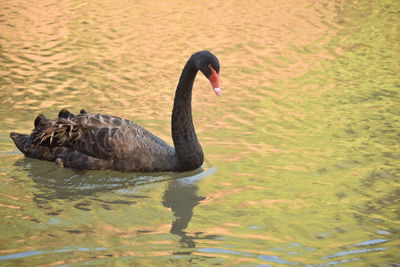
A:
[304,139]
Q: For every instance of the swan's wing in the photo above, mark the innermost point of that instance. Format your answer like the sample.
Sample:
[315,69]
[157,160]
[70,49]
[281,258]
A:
[101,136]
[65,114]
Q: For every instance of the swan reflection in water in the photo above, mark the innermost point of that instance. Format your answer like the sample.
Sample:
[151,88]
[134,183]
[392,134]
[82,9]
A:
[181,197]
[53,183]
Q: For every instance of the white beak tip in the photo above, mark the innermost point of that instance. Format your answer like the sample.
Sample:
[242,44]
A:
[217,91]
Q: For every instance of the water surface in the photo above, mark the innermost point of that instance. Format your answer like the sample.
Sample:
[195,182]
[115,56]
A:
[302,149]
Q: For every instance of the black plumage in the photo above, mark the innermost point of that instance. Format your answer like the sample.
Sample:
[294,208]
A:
[98,141]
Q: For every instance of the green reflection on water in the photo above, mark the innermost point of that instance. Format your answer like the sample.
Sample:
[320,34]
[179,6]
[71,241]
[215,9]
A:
[304,140]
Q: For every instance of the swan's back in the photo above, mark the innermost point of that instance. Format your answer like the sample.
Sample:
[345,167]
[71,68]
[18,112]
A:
[128,145]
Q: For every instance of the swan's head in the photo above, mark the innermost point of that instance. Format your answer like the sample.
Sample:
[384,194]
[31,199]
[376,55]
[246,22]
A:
[208,64]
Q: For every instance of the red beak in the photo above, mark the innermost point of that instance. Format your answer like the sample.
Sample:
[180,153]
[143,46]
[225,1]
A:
[214,80]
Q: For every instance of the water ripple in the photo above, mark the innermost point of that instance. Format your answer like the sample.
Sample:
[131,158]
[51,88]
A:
[304,139]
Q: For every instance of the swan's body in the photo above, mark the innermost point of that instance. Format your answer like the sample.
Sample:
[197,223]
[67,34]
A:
[96,141]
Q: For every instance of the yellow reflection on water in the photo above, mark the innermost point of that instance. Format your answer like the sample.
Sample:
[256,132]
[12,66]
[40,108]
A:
[304,138]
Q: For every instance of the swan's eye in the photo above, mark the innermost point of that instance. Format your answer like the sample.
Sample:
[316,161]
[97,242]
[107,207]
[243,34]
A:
[211,68]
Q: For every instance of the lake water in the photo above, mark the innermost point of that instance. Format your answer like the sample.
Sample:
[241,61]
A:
[302,149]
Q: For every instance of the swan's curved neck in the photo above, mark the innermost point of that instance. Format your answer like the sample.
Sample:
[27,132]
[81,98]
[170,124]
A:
[187,147]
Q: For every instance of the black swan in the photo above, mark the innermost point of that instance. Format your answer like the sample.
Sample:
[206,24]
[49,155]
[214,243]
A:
[97,141]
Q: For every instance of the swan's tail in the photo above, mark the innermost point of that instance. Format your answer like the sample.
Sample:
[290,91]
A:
[23,142]
[25,145]
[49,137]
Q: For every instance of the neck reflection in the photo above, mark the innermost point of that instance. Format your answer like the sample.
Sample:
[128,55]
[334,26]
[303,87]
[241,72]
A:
[181,197]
